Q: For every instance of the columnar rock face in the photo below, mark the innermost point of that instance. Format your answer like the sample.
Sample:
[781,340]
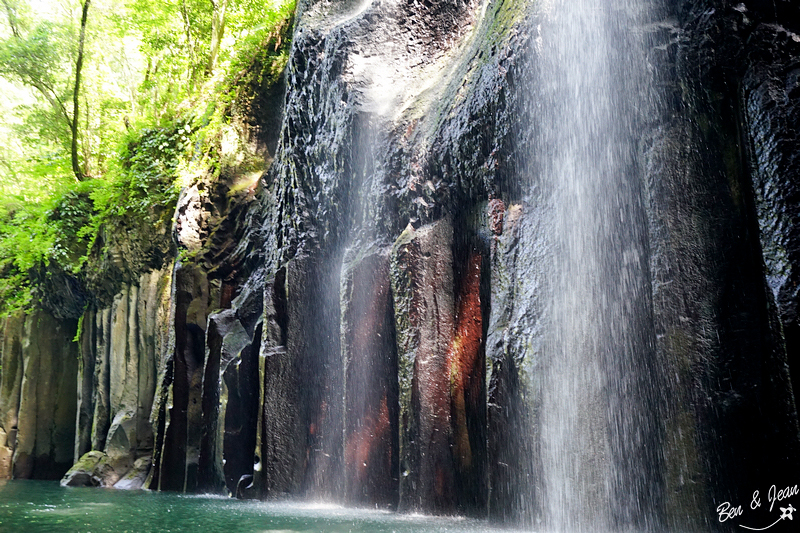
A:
[179,408]
[280,439]
[721,350]
[422,286]
[510,402]
[37,402]
[371,435]
[12,367]
[121,347]
[302,378]
[231,392]
[9,390]
[772,109]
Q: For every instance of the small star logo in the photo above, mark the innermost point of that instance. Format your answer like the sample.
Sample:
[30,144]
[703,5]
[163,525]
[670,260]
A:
[787,512]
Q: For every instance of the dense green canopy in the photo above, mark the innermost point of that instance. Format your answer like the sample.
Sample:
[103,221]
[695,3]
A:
[108,108]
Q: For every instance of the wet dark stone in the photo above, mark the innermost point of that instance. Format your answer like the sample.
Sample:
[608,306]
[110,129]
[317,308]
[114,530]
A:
[241,379]
[180,429]
[301,436]
[231,363]
[422,289]
[467,368]
[721,353]
[771,92]
[371,447]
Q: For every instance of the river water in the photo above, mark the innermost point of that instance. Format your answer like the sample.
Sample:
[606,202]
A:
[39,506]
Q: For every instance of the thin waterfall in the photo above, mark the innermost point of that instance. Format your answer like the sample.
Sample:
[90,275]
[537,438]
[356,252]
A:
[596,417]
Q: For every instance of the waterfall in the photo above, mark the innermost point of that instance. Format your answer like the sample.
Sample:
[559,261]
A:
[596,422]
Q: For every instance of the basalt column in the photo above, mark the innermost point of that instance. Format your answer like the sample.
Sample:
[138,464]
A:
[466,368]
[178,411]
[301,433]
[231,393]
[422,288]
[10,384]
[371,401]
[38,396]
[439,293]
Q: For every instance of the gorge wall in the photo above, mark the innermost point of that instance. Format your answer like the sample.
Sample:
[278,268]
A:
[364,321]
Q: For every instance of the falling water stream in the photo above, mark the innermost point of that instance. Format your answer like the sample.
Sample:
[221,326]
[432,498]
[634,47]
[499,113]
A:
[596,421]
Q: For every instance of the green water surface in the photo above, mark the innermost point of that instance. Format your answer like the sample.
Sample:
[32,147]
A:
[35,506]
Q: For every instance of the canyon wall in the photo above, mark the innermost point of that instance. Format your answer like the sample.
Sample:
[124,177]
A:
[364,322]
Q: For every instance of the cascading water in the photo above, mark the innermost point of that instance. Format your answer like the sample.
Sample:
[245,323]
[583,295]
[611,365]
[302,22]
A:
[596,424]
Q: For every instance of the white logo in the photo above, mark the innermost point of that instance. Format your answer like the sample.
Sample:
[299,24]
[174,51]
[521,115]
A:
[726,511]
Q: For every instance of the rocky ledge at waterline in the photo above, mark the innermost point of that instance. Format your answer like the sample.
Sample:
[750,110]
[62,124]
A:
[364,323]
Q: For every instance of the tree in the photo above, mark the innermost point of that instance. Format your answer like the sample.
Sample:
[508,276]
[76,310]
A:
[219,15]
[34,59]
[79,175]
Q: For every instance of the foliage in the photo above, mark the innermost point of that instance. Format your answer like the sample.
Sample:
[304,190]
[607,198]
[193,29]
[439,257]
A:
[155,119]
[145,185]
[37,232]
[262,55]
[148,167]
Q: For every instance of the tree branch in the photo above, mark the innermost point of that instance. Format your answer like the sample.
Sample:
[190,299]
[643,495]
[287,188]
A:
[12,19]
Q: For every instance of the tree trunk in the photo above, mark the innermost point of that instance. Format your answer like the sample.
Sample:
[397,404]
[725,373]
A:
[218,18]
[12,19]
[76,167]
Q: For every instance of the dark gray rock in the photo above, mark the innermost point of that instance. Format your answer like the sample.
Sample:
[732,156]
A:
[301,432]
[178,404]
[771,93]
[423,293]
[45,419]
[371,447]
[721,356]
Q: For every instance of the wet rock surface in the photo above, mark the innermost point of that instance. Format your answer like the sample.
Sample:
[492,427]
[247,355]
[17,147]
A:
[422,288]
[371,439]
[719,343]
[770,90]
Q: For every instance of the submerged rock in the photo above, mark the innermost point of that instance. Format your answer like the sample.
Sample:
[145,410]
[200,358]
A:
[83,472]
[99,469]
[136,476]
